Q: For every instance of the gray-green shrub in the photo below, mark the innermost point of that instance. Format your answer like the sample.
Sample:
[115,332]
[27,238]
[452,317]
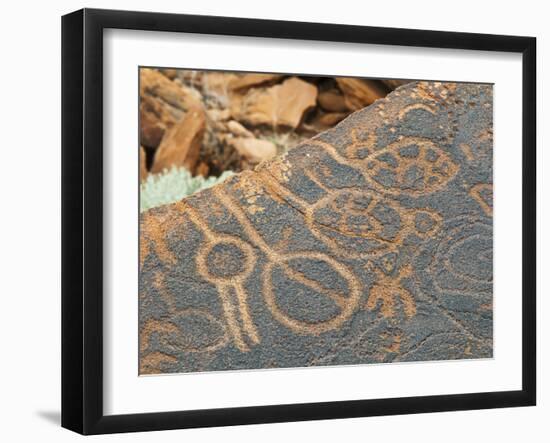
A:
[172,185]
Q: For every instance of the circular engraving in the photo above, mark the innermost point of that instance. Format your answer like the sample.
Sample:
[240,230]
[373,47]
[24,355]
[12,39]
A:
[225,260]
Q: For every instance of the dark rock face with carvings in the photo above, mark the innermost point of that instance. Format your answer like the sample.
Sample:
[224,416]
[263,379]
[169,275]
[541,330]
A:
[369,243]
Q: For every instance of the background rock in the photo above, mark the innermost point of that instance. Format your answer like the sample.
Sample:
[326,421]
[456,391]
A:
[182,143]
[253,149]
[142,164]
[332,101]
[248,81]
[155,119]
[359,93]
[281,105]
[272,107]
[238,130]
[153,83]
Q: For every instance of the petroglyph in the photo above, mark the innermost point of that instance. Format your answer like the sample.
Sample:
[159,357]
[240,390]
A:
[371,242]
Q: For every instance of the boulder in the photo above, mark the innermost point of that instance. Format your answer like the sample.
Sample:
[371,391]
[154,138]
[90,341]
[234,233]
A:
[331,118]
[172,74]
[153,83]
[238,130]
[217,85]
[162,103]
[369,243]
[182,143]
[218,115]
[332,101]
[321,121]
[282,105]
[254,150]
[247,81]
[155,117]
[359,93]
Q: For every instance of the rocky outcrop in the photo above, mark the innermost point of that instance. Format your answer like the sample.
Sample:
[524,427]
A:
[368,243]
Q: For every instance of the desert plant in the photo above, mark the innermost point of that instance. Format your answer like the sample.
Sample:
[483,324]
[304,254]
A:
[173,185]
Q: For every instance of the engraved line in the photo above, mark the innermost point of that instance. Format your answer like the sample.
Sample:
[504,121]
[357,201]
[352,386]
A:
[232,324]
[340,300]
[248,325]
[243,219]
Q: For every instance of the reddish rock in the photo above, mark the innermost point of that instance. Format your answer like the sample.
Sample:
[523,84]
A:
[248,81]
[142,164]
[331,118]
[332,101]
[359,93]
[280,105]
[238,130]
[162,103]
[154,119]
[182,143]
[218,115]
[254,150]
[170,73]
[217,83]
[152,82]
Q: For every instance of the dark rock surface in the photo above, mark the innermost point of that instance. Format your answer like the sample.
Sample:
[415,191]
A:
[370,243]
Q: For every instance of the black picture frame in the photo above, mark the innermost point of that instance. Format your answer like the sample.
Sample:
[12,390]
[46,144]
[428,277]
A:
[82,221]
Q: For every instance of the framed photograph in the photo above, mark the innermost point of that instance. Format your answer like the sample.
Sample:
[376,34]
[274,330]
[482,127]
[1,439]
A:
[270,221]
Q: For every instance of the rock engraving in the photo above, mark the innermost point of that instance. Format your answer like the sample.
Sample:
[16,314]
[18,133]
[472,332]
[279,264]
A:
[371,242]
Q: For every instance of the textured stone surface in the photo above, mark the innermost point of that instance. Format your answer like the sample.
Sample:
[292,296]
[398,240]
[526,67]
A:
[370,243]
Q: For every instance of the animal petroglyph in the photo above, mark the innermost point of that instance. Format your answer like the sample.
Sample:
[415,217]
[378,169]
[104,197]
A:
[370,242]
